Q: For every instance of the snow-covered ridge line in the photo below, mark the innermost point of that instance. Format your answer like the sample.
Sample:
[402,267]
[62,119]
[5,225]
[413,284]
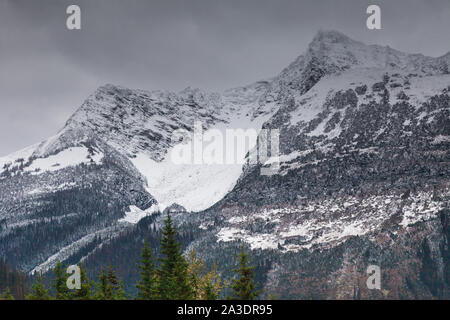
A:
[69,157]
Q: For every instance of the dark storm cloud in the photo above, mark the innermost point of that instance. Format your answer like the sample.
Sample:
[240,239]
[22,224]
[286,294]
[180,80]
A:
[47,71]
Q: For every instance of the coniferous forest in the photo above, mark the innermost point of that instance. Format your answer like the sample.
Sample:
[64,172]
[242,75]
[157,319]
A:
[13,284]
[171,276]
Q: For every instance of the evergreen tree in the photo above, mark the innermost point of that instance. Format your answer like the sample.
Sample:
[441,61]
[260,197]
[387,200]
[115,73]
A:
[102,287]
[244,286]
[15,281]
[173,280]
[147,285]
[115,285]
[6,295]
[60,283]
[195,270]
[109,286]
[84,293]
[38,290]
[212,285]
[210,292]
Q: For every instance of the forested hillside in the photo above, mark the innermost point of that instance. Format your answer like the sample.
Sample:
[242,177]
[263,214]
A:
[12,282]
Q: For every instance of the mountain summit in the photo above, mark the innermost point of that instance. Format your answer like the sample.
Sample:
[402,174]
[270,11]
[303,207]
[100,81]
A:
[331,52]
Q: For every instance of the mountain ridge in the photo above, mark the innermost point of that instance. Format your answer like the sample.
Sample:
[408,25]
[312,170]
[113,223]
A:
[364,140]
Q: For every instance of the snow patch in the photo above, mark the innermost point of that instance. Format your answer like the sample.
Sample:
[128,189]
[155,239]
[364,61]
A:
[12,160]
[67,158]
[48,189]
[440,139]
[329,222]
[195,187]
[135,214]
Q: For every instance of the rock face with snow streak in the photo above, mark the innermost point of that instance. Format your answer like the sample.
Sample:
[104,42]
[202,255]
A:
[363,178]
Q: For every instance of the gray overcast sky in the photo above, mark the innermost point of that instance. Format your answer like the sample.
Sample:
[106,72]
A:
[46,71]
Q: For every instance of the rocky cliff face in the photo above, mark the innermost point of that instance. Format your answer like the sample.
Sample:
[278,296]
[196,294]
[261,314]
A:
[363,178]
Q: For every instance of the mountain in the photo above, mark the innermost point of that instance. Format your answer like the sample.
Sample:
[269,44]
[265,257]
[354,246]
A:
[363,178]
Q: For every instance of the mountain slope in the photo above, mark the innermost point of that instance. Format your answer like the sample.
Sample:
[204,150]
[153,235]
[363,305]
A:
[110,166]
[363,176]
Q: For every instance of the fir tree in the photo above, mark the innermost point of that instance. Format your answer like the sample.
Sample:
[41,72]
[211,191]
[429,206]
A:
[15,281]
[38,290]
[115,285]
[102,287]
[210,293]
[147,285]
[109,286]
[119,292]
[173,280]
[183,290]
[244,286]
[84,293]
[60,283]
[6,295]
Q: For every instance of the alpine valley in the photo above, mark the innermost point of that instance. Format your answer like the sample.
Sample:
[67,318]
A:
[363,179]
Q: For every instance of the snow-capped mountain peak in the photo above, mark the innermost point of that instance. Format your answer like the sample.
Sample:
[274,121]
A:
[363,174]
[331,52]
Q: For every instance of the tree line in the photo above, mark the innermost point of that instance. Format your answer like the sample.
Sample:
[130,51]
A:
[176,277]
